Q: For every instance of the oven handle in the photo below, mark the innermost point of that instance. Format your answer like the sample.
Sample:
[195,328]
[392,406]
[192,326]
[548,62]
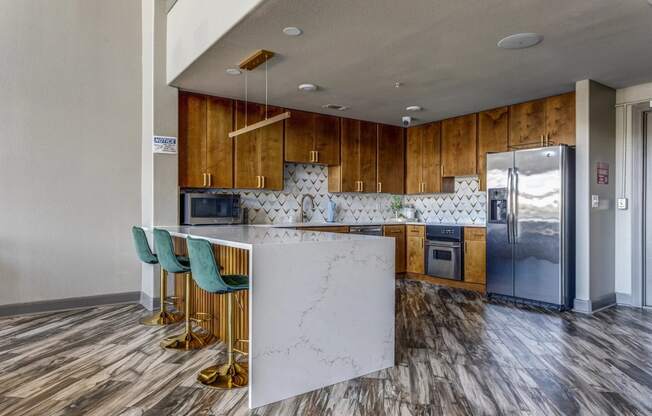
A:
[444,244]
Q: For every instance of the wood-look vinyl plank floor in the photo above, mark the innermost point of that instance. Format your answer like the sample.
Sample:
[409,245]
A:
[456,354]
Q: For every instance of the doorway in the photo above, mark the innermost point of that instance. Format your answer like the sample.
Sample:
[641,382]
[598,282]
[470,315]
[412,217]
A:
[646,289]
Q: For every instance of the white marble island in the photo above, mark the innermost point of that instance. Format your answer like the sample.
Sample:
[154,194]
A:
[321,306]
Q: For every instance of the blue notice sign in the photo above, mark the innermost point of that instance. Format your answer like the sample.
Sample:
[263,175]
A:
[164,144]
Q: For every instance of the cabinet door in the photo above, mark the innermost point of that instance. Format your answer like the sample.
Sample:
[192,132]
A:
[493,136]
[398,232]
[259,153]
[415,255]
[348,171]
[367,155]
[192,140]
[327,139]
[391,159]
[458,146]
[475,259]
[219,146]
[414,159]
[527,124]
[560,119]
[431,158]
[299,137]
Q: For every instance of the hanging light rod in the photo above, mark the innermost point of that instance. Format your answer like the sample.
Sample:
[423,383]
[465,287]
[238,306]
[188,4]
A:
[256,59]
[260,124]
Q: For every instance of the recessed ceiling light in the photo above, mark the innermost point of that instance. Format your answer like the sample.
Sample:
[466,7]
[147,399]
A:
[335,107]
[292,31]
[233,71]
[307,87]
[413,108]
[520,41]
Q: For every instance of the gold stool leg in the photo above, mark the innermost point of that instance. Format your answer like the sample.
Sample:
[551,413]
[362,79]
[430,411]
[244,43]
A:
[231,374]
[189,340]
[162,317]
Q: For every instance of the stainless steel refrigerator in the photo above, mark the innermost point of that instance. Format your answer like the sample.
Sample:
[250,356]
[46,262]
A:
[531,226]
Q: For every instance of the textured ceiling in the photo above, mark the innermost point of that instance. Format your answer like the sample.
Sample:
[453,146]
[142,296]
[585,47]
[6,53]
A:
[443,51]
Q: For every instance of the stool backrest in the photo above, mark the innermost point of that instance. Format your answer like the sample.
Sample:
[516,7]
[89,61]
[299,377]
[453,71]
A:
[142,246]
[205,271]
[165,252]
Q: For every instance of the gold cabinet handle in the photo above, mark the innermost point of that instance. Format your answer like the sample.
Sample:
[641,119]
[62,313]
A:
[380,187]
[361,186]
[210,180]
[204,179]
[542,140]
[317,156]
[257,181]
[312,156]
[262,181]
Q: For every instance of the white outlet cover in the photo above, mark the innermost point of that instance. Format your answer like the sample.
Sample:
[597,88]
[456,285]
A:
[595,201]
[622,203]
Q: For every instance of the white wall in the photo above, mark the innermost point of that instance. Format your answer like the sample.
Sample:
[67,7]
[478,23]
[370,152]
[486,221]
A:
[70,148]
[160,117]
[194,25]
[629,181]
[595,227]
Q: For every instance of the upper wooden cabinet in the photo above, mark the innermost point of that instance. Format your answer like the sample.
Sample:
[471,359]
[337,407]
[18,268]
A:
[205,149]
[312,138]
[259,153]
[458,146]
[541,122]
[560,119]
[390,165]
[357,169]
[493,136]
[423,159]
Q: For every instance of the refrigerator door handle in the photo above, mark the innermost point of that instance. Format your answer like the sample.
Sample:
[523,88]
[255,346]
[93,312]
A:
[510,202]
[515,207]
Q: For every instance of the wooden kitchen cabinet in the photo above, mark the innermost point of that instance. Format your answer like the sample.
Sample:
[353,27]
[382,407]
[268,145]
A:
[312,138]
[458,146]
[560,119]
[400,238]
[357,169]
[527,124]
[205,149]
[423,159]
[415,248]
[259,153]
[475,260]
[493,137]
[390,164]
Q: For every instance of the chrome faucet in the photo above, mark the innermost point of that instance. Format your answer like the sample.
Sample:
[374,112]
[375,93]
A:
[302,213]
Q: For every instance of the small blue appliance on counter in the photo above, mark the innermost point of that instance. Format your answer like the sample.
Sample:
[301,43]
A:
[331,209]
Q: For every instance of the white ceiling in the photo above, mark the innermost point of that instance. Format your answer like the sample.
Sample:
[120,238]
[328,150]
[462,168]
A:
[443,51]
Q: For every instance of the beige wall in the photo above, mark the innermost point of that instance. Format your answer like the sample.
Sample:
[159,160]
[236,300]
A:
[70,76]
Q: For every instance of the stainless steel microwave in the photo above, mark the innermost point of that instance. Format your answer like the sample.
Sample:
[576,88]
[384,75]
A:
[210,209]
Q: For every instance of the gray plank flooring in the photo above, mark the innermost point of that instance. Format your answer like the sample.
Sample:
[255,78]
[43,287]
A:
[456,355]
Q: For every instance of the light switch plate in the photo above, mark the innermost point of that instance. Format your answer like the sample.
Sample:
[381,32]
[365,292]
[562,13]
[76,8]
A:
[622,203]
[595,201]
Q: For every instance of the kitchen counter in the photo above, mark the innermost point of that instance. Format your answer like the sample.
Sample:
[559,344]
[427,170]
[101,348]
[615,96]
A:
[321,306]
[352,223]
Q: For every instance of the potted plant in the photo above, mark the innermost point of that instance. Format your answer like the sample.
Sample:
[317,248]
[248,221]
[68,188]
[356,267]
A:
[396,205]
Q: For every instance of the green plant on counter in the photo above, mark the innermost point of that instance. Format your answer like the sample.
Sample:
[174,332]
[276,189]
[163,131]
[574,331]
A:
[396,205]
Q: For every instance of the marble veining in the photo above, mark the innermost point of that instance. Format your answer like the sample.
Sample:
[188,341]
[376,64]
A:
[456,354]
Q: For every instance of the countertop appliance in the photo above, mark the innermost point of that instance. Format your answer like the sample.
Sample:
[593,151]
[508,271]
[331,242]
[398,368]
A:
[443,251]
[366,229]
[530,225]
[197,208]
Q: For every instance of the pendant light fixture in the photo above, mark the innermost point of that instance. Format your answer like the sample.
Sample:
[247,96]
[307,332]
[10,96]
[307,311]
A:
[249,64]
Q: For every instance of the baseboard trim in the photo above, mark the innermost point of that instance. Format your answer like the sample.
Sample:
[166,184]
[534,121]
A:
[624,299]
[68,303]
[592,306]
[148,302]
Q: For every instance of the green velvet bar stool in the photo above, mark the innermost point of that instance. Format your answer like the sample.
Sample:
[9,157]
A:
[163,316]
[190,339]
[206,273]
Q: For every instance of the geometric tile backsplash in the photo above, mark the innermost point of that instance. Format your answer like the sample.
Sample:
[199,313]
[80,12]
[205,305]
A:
[465,206]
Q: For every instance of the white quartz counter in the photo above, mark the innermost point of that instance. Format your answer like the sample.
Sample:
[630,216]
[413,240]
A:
[351,223]
[248,236]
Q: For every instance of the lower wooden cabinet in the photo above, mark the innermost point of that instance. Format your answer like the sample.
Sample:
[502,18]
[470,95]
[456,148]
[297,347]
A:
[415,248]
[398,232]
[475,258]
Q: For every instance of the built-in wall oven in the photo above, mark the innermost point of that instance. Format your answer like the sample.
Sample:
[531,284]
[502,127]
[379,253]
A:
[443,251]
[198,208]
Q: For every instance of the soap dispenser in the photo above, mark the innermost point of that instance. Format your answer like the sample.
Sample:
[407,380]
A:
[331,209]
